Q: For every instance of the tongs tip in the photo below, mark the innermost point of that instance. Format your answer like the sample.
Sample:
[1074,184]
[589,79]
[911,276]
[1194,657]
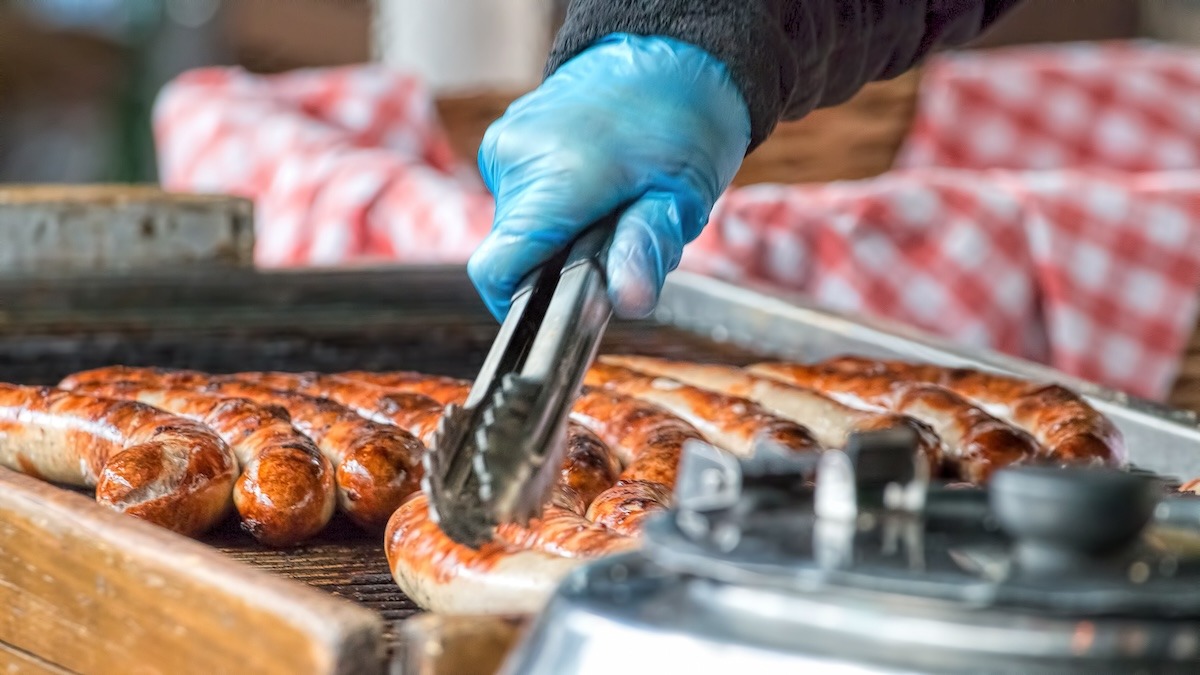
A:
[494,459]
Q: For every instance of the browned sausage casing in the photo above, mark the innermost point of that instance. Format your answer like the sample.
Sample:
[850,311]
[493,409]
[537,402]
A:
[444,390]
[285,493]
[519,570]
[732,423]
[377,465]
[976,443]
[831,421]
[159,467]
[110,374]
[417,413]
[650,441]
[587,470]
[443,576]
[1061,420]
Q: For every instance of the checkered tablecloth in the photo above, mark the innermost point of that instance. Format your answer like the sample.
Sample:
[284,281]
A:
[1085,256]
[1096,274]
[1125,106]
[346,165]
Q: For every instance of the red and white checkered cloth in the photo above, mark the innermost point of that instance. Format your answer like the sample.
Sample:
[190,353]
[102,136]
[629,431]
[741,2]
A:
[1095,272]
[346,165]
[1128,106]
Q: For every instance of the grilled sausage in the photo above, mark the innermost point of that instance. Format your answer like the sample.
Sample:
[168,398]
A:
[1062,421]
[142,461]
[650,441]
[625,506]
[110,374]
[285,493]
[830,421]
[732,423]
[377,465]
[588,469]
[444,390]
[977,444]
[566,534]
[517,571]
[416,413]
[443,576]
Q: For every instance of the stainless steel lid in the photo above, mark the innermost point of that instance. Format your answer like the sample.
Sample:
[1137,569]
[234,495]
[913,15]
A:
[873,568]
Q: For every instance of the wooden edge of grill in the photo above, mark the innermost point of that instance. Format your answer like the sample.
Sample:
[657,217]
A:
[15,661]
[135,597]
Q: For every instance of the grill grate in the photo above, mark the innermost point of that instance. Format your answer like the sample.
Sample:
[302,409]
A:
[343,561]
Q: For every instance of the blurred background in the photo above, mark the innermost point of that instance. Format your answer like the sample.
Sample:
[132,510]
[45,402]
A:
[78,77]
[1093,149]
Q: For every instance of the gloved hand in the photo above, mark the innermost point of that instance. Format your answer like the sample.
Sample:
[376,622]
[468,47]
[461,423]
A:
[651,125]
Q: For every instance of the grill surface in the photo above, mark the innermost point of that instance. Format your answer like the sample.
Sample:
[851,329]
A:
[457,350]
[343,561]
[430,319]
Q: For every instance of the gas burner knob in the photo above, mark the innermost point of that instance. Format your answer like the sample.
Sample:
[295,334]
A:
[1065,520]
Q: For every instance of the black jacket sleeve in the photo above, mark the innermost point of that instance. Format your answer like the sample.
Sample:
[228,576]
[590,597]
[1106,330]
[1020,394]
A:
[789,56]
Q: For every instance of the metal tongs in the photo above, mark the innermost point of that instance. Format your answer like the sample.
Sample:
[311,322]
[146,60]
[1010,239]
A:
[493,459]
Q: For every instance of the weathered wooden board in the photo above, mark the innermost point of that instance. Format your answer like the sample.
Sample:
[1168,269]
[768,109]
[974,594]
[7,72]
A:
[120,228]
[93,591]
[17,662]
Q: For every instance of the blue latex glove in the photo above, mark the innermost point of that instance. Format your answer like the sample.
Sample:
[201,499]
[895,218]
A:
[650,124]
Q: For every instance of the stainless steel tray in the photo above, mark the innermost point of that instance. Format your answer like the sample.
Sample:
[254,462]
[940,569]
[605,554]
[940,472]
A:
[1159,438]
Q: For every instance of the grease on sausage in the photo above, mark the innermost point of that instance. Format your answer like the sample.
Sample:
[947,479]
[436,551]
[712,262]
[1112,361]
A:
[976,443]
[444,390]
[285,493]
[416,413]
[649,440]
[1061,420]
[831,421]
[142,461]
[588,468]
[377,465]
[443,576]
[734,424]
[518,570]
